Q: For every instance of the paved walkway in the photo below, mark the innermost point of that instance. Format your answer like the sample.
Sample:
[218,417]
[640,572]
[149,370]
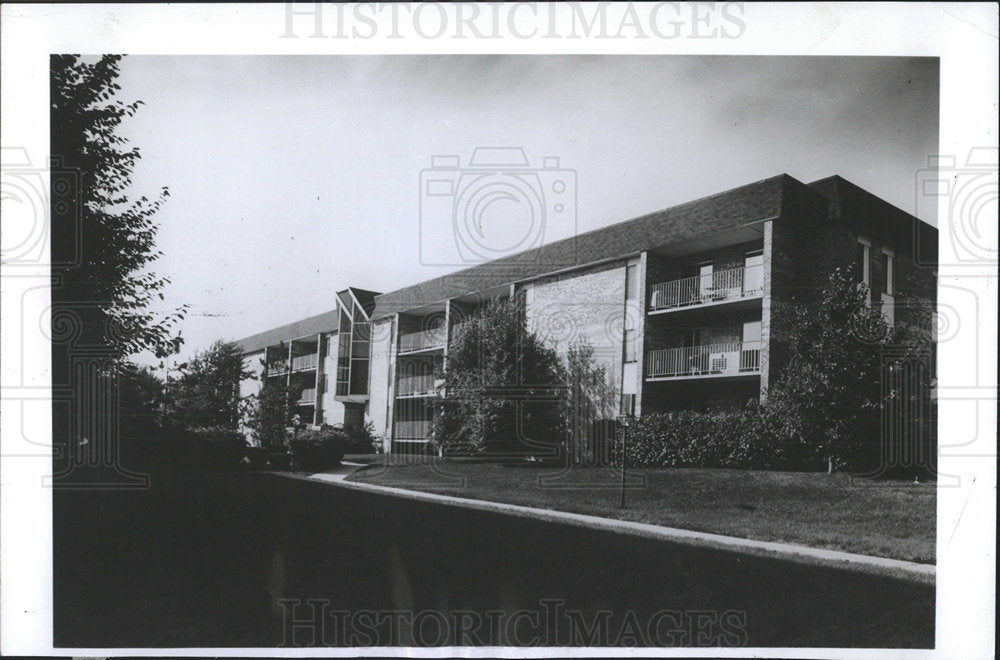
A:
[882,565]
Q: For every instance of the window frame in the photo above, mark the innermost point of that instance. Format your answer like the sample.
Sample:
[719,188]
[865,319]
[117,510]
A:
[631,281]
[866,266]
[888,272]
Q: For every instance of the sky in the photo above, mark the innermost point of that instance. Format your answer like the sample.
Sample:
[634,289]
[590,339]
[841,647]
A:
[292,177]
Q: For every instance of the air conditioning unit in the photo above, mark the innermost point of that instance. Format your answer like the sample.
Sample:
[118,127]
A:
[721,363]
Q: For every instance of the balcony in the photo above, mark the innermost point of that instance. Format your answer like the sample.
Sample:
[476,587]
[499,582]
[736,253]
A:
[416,386]
[308,397]
[713,360]
[305,362]
[423,340]
[277,368]
[719,287]
[414,430]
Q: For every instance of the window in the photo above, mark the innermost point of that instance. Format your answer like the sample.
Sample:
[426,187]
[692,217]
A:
[888,273]
[862,262]
[888,285]
[753,273]
[627,405]
[696,337]
[863,267]
[697,282]
[630,352]
[631,282]
[705,279]
[750,350]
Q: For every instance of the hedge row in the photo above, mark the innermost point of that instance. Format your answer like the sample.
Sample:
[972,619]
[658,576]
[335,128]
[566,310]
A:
[733,439]
[755,438]
[319,450]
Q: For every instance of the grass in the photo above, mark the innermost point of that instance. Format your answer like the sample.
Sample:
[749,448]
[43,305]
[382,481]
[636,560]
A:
[876,517]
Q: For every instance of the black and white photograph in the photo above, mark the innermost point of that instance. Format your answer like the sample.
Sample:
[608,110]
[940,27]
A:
[499,329]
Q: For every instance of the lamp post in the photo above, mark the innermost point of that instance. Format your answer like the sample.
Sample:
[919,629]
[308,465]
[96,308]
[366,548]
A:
[624,421]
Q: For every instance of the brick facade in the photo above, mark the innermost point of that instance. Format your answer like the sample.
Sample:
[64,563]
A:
[584,307]
[803,232]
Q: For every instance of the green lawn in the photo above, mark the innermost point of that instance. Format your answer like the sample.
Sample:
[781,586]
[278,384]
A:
[873,517]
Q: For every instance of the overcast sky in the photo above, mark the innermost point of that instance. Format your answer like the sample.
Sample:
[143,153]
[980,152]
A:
[292,177]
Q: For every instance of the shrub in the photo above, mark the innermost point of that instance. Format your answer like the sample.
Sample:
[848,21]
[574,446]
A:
[319,450]
[216,446]
[720,438]
[256,457]
[772,435]
[362,439]
[272,413]
[279,460]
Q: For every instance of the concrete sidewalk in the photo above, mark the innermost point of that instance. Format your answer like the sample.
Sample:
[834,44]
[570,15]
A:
[924,573]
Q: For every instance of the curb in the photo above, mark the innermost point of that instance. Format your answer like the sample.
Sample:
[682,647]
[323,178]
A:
[924,573]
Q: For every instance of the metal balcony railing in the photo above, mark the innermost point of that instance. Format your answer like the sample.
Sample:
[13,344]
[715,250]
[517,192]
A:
[415,385]
[308,397]
[714,359]
[422,340]
[721,286]
[414,430]
[304,362]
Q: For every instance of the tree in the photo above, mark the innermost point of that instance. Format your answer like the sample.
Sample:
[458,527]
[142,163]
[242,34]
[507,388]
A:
[828,400]
[142,401]
[272,412]
[505,389]
[103,237]
[592,399]
[102,248]
[207,393]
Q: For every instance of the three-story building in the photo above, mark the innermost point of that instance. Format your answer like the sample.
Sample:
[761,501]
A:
[685,307]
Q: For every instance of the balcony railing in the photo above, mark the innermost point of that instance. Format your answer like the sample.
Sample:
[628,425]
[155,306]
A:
[304,362]
[277,367]
[721,286]
[308,397]
[415,430]
[415,385]
[730,359]
[422,340]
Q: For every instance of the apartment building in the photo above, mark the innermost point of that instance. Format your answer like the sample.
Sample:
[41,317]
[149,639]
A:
[326,355]
[685,307]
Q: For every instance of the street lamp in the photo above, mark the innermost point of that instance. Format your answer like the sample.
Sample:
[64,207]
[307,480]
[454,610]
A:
[624,421]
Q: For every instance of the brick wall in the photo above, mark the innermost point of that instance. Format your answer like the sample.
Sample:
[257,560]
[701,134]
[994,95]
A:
[806,250]
[582,306]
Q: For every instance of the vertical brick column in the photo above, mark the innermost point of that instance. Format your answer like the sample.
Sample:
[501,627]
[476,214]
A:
[765,309]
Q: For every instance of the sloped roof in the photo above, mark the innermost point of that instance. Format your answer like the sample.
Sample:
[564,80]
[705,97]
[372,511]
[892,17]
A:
[325,322]
[850,202]
[747,204]
[365,298]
